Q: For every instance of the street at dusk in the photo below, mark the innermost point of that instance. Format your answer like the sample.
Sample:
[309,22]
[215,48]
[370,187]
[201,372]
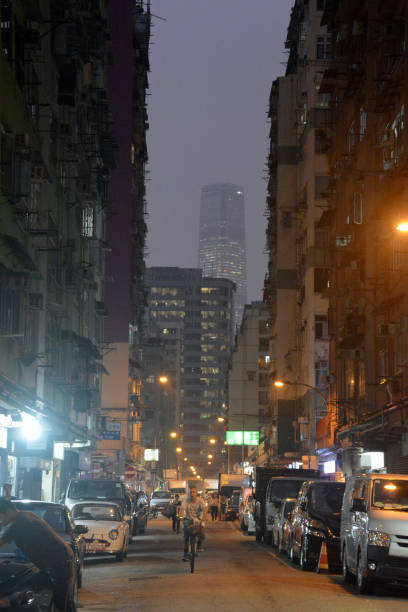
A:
[203,305]
[234,573]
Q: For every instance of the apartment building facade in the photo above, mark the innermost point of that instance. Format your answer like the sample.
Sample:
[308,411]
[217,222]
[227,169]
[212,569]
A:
[298,263]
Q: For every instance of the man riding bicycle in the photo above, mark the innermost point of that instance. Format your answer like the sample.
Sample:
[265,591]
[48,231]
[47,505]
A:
[193,511]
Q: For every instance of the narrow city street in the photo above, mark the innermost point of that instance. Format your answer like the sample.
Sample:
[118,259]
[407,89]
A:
[234,573]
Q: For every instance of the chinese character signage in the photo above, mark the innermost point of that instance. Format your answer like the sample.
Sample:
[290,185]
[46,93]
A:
[112,431]
[151,454]
[248,438]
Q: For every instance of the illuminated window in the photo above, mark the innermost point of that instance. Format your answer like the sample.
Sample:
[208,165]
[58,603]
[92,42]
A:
[88,221]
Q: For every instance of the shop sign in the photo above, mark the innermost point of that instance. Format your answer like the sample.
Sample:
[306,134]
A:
[151,454]
[247,438]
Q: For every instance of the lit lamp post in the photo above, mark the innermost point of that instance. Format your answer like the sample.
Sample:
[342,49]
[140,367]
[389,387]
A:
[279,384]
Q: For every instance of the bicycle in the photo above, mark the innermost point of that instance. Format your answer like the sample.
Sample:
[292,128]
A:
[193,528]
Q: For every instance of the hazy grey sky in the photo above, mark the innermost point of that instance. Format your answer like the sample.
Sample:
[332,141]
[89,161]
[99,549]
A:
[212,66]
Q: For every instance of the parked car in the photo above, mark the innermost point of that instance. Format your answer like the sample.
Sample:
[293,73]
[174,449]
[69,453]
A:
[232,507]
[316,519]
[140,511]
[60,519]
[159,501]
[23,587]
[286,532]
[374,530]
[285,509]
[108,532]
[96,489]
[278,489]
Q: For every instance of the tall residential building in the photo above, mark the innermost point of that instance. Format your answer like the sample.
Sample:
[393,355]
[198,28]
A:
[222,251]
[295,289]
[195,313]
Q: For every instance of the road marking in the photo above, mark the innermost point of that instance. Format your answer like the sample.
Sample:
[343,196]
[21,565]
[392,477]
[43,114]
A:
[283,561]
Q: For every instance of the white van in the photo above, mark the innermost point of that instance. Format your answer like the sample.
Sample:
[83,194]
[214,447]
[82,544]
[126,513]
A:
[374,530]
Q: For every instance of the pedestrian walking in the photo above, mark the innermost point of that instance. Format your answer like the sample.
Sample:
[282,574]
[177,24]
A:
[41,545]
[176,514]
[214,507]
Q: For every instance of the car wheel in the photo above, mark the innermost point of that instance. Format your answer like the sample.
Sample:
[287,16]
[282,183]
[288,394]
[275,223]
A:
[292,555]
[303,560]
[364,586]
[347,575]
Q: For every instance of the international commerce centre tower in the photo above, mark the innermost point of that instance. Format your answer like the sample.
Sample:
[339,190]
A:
[222,251]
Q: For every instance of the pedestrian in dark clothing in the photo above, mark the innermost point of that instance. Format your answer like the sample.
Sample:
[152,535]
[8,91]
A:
[43,547]
[176,514]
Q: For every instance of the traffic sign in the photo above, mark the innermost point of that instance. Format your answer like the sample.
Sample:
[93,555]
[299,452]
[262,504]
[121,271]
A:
[130,472]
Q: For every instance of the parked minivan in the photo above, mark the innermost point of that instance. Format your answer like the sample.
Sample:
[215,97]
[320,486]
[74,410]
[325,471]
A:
[316,519]
[98,489]
[374,530]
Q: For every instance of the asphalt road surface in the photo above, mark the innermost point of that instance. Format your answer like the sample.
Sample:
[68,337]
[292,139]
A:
[233,574]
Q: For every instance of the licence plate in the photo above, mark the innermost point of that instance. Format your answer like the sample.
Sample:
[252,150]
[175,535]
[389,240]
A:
[95,547]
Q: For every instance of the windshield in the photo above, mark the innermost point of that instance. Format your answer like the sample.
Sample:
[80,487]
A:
[280,489]
[390,494]
[88,512]
[161,494]
[288,508]
[326,499]
[96,489]
[55,517]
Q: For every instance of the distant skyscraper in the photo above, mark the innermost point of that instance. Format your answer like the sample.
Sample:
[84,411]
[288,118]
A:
[222,252]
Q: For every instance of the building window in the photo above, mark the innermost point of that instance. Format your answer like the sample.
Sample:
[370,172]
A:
[322,142]
[323,47]
[88,222]
[351,138]
[321,186]
[262,398]
[263,345]
[321,373]
[358,208]
[363,123]
[321,327]
[251,376]
[321,279]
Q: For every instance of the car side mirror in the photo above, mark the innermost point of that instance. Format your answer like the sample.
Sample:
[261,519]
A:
[359,505]
[80,529]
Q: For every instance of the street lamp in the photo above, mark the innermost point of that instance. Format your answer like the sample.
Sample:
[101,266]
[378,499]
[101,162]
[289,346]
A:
[163,379]
[179,449]
[173,434]
[220,419]
[281,383]
[402,226]
[210,456]
[212,441]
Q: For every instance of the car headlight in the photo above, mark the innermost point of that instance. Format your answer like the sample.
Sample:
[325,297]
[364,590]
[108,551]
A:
[316,528]
[113,534]
[378,538]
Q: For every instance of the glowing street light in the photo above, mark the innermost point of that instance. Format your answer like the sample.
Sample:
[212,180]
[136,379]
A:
[163,379]
[279,384]
[185,458]
[210,456]
[209,462]
[173,434]
[220,419]
[178,449]
[402,227]
[212,440]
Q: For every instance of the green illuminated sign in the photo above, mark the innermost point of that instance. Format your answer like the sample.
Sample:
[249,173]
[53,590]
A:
[250,438]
